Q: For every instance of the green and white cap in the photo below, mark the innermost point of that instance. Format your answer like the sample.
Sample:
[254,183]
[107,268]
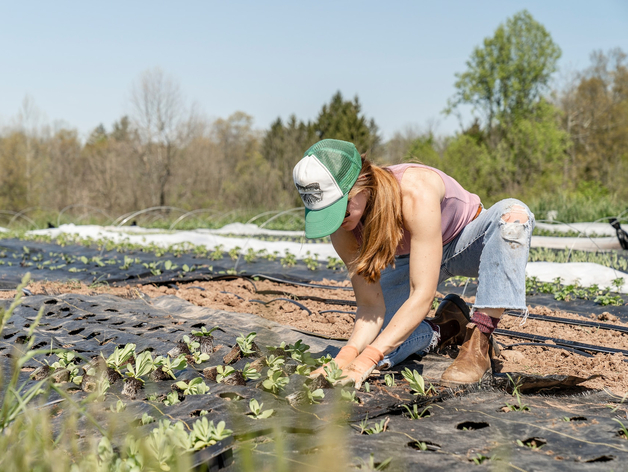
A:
[324,178]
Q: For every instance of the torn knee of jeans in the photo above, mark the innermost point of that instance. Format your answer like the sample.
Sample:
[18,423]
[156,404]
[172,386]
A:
[515,214]
[513,225]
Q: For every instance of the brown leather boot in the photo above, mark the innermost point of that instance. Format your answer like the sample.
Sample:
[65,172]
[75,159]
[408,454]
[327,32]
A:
[452,315]
[473,360]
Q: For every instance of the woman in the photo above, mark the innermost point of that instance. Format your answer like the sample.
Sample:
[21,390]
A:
[402,230]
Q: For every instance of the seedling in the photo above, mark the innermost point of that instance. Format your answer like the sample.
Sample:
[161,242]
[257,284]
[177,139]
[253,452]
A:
[389,380]
[376,428]
[144,365]
[146,419]
[257,411]
[298,351]
[372,466]
[480,459]
[276,381]
[66,361]
[416,381]
[217,254]
[414,412]
[250,256]
[205,434]
[119,357]
[334,263]
[367,387]
[200,357]
[250,373]
[118,407]
[192,345]
[421,445]
[223,372]
[333,373]
[316,396]
[172,399]
[304,369]
[289,260]
[169,366]
[624,431]
[246,343]
[349,395]
[194,387]
[515,393]
[274,362]
[311,262]
[204,332]
[168,265]
[233,253]
[531,443]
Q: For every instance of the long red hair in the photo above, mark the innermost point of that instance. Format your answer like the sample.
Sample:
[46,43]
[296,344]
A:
[382,220]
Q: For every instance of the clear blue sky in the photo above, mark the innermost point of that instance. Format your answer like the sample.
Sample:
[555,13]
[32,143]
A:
[77,60]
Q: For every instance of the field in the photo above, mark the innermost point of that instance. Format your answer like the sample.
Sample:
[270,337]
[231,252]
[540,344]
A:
[111,362]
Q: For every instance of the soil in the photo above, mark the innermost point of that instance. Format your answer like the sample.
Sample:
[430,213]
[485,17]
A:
[237,295]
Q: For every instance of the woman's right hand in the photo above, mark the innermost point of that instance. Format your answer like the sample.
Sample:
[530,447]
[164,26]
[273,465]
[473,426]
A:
[345,357]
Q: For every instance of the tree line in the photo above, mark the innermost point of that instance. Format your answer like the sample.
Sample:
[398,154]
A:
[527,139]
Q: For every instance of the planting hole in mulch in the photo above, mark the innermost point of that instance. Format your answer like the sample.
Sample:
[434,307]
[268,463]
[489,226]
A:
[424,446]
[533,443]
[472,425]
[231,396]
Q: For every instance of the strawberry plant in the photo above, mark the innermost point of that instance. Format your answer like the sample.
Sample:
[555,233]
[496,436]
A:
[257,411]
[194,387]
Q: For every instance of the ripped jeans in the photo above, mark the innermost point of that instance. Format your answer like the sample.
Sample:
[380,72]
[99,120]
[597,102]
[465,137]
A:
[489,248]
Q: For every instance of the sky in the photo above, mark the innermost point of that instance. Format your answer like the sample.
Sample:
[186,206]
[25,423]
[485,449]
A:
[77,61]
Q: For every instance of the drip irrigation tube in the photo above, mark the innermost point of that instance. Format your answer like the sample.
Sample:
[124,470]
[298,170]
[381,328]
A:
[537,338]
[569,321]
[300,284]
[565,348]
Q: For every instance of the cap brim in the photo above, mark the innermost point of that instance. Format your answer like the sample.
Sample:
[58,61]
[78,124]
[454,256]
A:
[321,223]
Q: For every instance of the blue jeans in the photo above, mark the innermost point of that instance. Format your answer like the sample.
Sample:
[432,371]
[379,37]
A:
[488,248]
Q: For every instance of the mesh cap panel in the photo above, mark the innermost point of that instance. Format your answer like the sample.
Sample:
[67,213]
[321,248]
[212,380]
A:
[341,158]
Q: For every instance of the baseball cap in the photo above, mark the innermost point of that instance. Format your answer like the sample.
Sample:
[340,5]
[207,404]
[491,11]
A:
[324,178]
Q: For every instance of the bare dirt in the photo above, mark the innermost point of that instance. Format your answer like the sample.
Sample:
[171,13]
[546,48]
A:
[239,295]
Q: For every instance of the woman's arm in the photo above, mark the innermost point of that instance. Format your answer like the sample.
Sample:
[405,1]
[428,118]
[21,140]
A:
[422,191]
[369,297]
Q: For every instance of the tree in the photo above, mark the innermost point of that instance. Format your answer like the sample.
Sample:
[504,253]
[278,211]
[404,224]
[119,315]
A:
[342,119]
[164,126]
[282,147]
[507,76]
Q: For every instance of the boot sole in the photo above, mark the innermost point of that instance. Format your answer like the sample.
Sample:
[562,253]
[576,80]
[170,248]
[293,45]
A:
[486,379]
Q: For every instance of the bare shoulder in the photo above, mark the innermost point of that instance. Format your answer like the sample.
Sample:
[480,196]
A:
[421,184]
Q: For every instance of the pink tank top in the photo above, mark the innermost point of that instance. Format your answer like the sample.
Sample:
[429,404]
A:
[458,208]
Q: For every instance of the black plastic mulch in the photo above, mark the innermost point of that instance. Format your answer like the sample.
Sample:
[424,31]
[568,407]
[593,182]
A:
[46,261]
[91,324]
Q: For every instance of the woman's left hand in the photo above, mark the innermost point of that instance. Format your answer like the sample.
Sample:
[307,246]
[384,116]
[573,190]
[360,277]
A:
[359,370]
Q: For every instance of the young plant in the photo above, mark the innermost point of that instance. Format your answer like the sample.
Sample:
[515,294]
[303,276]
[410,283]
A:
[414,414]
[169,366]
[316,396]
[311,262]
[274,362]
[144,365]
[349,396]
[417,384]
[519,406]
[172,399]
[249,373]
[205,434]
[624,431]
[276,381]
[223,372]
[289,260]
[479,459]
[200,357]
[119,357]
[333,373]
[257,412]
[304,370]
[66,362]
[389,380]
[194,387]
[217,254]
[372,466]
[246,343]
[233,253]
[376,428]
[204,331]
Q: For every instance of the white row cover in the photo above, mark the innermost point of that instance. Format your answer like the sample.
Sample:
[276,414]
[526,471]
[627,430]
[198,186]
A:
[584,272]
